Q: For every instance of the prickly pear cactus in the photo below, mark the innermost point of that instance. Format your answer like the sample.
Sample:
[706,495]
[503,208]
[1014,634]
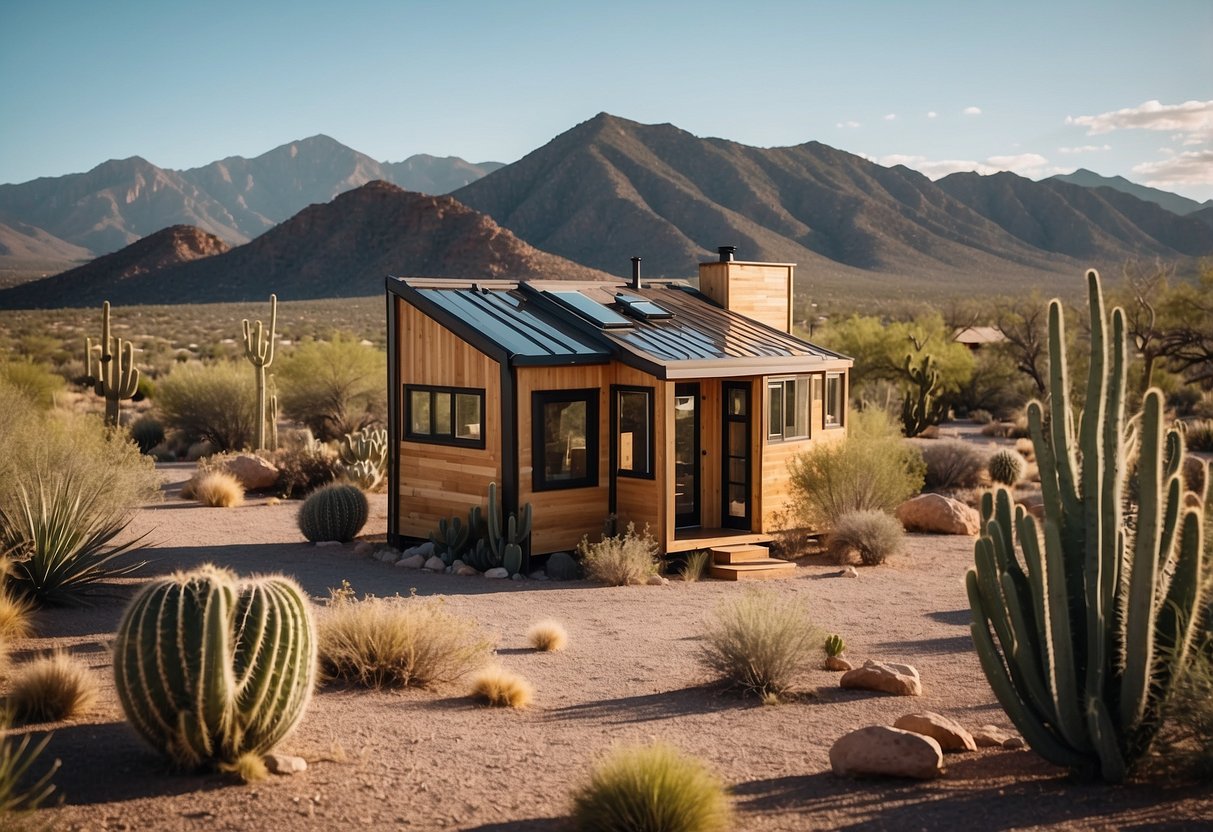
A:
[337,511]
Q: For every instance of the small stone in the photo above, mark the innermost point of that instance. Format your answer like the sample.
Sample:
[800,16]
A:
[435,564]
[990,736]
[385,555]
[498,572]
[538,575]
[1014,743]
[285,764]
[947,732]
[849,572]
[837,663]
[517,576]
[657,580]
[562,566]
[424,549]
[466,571]
[885,677]
[891,752]
[456,564]
[412,562]
[366,548]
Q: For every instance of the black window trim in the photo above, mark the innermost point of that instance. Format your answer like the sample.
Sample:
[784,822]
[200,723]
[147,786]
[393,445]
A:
[541,398]
[438,439]
[651,392]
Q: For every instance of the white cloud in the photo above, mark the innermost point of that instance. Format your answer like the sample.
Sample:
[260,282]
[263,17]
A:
[1195,140]
[1086,148]
[932,114]
[1190,119]
[1031,165]
[972,111]
[890,117]
[1189,168]
[847,124]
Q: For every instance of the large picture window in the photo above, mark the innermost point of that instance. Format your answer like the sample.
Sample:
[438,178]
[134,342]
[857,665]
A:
[835,401]
[564,433]
[444,415]
[633,431]
[788,408]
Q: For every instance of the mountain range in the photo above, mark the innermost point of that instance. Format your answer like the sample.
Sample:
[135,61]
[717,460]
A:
[605,190]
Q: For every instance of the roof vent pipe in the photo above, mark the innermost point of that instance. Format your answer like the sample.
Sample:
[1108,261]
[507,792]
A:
[726,253]
[635,272]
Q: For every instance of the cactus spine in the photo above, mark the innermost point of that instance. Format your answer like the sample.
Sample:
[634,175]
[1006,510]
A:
[922,406]
[209,668]
[259,350]
[337,511]
[1083,647]
[110,367]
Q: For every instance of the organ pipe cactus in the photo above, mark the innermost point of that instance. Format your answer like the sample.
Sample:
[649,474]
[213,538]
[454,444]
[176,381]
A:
[210,668]
[1082,639]
[259,350]
[110,367]
[922,406]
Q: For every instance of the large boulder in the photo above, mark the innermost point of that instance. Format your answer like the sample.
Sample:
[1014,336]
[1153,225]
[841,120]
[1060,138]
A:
[884,677]
[937,514]
[950,735]
[253,472]
[890,752]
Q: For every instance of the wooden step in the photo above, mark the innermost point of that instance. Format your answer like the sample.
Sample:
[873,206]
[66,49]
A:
[739,553]
[753,570]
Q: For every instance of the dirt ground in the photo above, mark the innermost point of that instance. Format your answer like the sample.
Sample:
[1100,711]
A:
[435,760]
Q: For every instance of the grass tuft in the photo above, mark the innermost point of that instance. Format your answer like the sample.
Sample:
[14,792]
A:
[761,643]
[51,689]
[547,635]
[874,535]
[502,688]
[249,767]
[629,558]
[219,489]
[696,566]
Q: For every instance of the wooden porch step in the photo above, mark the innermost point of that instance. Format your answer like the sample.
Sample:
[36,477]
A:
[757,570]
[739,553]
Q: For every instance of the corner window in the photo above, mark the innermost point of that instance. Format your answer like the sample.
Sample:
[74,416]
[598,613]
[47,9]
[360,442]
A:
[444,415]
[564,435]
[835,402]
[788,408]
[633,431]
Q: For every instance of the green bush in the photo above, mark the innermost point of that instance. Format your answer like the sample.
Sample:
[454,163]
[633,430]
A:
[873,535]
[334,387]
[214,403]
[873,468]
[761,643]
[34,381]
[651,789]
[629,558]
[952,463]
[305,464]
[147,432]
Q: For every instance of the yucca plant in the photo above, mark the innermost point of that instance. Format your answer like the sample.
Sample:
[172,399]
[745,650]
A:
[16,758]
[1083,639]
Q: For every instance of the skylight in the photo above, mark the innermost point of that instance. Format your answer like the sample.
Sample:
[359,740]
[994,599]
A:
[639,307]
[590,310]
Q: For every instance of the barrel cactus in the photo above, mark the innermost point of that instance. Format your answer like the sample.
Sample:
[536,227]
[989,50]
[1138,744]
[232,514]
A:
[1006,466]
[211,669]
[337,511]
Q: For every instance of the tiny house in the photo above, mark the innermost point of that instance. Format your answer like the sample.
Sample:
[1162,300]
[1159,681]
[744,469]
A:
[659,403]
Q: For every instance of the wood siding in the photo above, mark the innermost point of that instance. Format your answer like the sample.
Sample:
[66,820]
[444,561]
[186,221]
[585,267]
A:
[649,502]
[762,291]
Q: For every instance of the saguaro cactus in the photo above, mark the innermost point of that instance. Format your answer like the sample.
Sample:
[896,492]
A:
[922,406]
[259,350]
[1083,645]
[209,668]
[111,368]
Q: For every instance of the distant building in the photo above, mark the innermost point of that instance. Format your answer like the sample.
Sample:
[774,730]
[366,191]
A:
[976,337]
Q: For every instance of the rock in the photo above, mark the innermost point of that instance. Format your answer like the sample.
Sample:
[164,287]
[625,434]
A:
[849,572]
[328,543]
[424,549]
[253,472]
[885,677]
[657,580]
[435,564]
[517,576]
[365,548]
[456,564]
[947,732]
[562,566]
[499,572]
[880,750]
[412,561]
[465,571]
[538,575]
[285,764]
[385,555]
[1014,743]
[837,663]
[937,514]
[990,736]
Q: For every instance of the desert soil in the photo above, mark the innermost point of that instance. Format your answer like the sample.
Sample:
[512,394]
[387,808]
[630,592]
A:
[433,759]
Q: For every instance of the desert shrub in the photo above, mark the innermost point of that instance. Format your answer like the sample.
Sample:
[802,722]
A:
[213,402]
[873,535]
[1198,435]
[696,565]
[981,417]
[147,432]
[760,643]
[548,636]
[1006,466]
[219,489]
[305,465]
[334,387]
[873,468]
[951,463]
[35,382]
[651,789]
[51,689]
[1195,472]
[17,757]
[629,558]
[501,688]
[337,511]
[15,611]
[395,642]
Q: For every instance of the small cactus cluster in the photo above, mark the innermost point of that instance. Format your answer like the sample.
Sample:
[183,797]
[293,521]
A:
[364,457]
[110,366]
[337,511]
[834,645]
[922,407]
[210,668]
[452,539]
[1006,466]
[259,350]
[487,540]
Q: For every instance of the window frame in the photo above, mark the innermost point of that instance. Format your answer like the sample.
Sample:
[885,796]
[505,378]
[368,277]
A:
[651,445]
[540,399]
[840,400]
[801,386]
[433,438]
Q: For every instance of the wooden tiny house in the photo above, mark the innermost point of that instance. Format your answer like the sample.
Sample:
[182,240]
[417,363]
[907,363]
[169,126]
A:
[664,405]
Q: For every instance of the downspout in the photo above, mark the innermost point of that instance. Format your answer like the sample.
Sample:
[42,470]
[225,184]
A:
[393,420]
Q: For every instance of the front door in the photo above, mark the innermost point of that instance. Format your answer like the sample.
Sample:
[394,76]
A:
[686,455]
[735,512]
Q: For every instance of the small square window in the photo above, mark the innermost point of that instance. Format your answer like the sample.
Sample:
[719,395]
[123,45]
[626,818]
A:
[835,404]
[788,408]
[444,415]
[564,434]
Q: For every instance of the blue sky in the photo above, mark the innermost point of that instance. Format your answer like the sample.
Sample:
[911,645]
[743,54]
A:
[1119,87]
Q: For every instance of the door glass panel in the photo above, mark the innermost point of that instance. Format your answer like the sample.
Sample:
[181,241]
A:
[737,500]
[686,458]
[737,402]
[737,439]
[737,470]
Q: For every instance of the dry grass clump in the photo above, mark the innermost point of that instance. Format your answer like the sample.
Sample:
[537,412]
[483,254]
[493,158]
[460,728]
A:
[16,612]
[397,642]
[652,788]
[51,689]
[629,558]
[696,566]
[873,535]
[219,489]
[547,635]
[760,643]
[249,768]
[1198,435]
[502,688]
[952,463]
[1185,743]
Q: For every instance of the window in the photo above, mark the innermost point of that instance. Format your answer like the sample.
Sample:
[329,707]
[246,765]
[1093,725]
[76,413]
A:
[633,431]
[835,403]
[444,415]
[788,408]
[564,438]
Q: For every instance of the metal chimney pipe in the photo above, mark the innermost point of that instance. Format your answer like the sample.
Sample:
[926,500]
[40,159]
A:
[726,253]
[635,272]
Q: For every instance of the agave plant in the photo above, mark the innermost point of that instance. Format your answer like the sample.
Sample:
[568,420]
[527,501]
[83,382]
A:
[16,758]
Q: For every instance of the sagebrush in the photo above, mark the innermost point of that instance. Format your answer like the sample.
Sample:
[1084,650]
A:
[873,535]
[761,643]
[628,558]
[214,402]
[951,463]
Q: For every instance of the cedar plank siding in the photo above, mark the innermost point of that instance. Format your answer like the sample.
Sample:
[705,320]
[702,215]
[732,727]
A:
[649,502]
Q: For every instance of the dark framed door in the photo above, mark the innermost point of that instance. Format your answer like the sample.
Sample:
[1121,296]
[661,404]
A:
[735,512]
[686,455]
